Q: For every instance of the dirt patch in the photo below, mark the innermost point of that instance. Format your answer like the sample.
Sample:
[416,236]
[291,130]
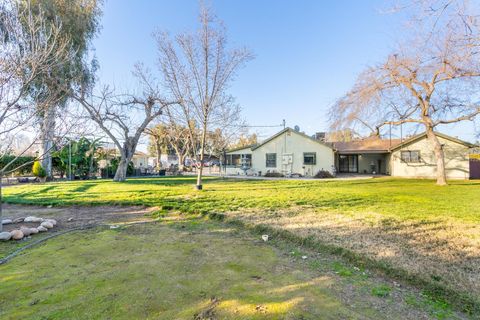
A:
[75,216]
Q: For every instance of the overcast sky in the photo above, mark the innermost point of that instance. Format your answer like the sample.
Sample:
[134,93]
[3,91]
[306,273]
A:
[308,53]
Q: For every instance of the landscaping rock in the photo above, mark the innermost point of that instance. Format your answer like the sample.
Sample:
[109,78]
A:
[16,234]
[33,219]
[52,221]
[18,220]
[26,231]
[47,224]
[33,230]
[7,221]
[5,236]
[42,229]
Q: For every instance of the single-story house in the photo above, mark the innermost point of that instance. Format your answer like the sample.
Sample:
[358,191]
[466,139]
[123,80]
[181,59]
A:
[292,152]
[287,152]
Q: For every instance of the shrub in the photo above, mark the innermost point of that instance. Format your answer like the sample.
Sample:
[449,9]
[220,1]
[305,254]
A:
[274,175]
[38,171]
[322,174]
[22,163]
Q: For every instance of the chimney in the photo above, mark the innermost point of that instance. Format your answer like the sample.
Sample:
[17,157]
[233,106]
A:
[320,136]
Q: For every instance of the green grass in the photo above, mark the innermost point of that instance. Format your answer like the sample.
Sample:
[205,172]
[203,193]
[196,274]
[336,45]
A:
[396,198]
[411,220]
[163,271]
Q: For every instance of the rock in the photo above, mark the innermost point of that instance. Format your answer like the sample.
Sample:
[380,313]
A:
[26,231]
[7,221]
[70,219]
[16,234]
[47,224]
[18,220]
[5,236]
[52,221]
[33,230]
[33,219]
[42,229]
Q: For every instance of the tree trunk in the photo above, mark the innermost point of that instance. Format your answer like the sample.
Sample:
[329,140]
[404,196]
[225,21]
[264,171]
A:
[47,135]
[202,151]
[1,204]
[159,156]
[439,156]
[121,173]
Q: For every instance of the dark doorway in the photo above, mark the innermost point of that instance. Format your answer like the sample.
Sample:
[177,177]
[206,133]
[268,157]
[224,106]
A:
[379,163]
[348,163]
[474,168]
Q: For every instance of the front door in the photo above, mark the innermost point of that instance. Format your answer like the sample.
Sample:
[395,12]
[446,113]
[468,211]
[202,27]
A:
[348,163]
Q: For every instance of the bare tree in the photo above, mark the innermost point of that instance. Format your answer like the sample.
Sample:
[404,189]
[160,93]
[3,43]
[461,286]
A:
[158,141]
[125,117]
[198,69]
[432,80]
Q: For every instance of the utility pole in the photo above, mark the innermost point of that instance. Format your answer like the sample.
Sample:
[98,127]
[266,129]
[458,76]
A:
[70,159]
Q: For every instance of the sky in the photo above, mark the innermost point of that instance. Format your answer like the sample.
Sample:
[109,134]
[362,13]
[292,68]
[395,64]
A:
[307,53]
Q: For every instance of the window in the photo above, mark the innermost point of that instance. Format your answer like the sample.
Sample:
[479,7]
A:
[271,160]
[410,156]
[309,158]
[239,160]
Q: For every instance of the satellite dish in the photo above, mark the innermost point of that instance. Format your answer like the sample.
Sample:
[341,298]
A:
[296,128]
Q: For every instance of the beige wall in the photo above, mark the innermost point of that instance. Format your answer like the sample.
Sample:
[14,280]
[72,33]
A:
[295,144]
[456,161]
[137,160]
[237,170]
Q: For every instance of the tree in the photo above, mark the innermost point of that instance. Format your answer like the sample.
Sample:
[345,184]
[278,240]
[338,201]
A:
[28,50]
[158,141]
[432,80]
[198,68]
[244,141]
[80,23]
[125,117]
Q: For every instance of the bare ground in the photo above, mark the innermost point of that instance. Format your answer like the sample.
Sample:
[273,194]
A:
[76,216]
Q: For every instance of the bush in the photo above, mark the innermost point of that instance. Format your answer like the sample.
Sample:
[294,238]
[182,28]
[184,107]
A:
[22,163]
[322,174]
[274,175]
[38,171]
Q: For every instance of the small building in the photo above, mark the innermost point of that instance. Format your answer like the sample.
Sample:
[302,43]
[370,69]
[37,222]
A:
[291,152]
[288,152]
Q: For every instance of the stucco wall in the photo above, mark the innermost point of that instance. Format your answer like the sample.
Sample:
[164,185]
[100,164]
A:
[295,144]
[456,161]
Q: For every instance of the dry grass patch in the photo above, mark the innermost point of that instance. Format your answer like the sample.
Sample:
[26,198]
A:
[443,252]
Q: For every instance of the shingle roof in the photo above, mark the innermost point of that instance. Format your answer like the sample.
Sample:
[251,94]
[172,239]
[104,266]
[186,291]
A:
[366,145]
[290,130]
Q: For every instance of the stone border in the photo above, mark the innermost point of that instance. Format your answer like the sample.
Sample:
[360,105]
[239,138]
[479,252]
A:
[22,232]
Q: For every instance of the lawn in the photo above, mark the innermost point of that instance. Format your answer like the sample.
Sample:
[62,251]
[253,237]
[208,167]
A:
[411,229]
[192,268]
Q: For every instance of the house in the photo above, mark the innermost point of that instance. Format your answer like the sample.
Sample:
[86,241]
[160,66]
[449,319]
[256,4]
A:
[287,152]
[292,152]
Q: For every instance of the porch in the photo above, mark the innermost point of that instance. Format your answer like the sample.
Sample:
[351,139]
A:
[363,163]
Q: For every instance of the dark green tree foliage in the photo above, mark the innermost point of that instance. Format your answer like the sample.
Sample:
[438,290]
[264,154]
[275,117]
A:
[84,163]
[23,164]
[79,21]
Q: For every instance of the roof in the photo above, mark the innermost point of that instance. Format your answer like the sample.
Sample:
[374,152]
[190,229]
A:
[367,145]
[250,146]
[290,130]
[441,135]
